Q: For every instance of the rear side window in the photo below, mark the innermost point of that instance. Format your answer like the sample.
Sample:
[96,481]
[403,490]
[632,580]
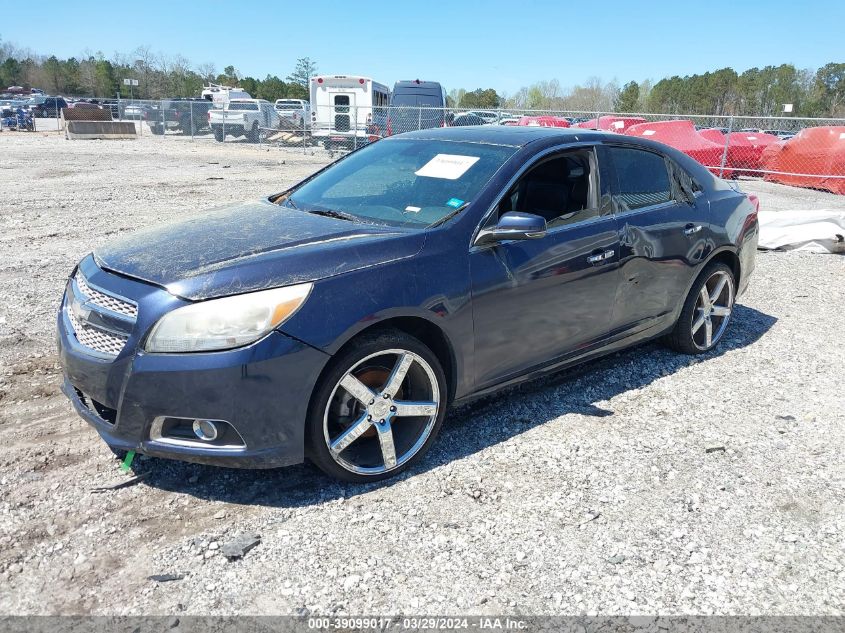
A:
[642,178]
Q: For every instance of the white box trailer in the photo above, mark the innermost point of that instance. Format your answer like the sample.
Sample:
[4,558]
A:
[347,109]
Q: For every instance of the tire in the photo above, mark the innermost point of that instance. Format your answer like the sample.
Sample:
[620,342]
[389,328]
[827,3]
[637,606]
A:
[157,129]
[218,135]
[386,440]
[701,324]
[252,135]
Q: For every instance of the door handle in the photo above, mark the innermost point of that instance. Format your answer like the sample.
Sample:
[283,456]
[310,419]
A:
[692,229]
[597,258]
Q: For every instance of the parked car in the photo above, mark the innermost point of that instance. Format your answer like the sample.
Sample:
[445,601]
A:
[467,118]
[489,116]
[47,107]
[110,104]
[339,320]
[293,113]
[783,135]
[243,117]
[135,111]
[82,105]
[188,116]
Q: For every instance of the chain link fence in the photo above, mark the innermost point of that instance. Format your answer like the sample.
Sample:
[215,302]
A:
[795,151]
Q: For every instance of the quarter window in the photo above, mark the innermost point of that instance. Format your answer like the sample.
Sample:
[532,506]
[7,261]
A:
[642,178]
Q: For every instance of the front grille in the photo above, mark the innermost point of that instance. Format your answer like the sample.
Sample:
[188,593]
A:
[95,338]
[108,302]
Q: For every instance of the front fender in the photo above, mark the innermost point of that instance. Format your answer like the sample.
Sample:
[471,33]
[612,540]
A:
[433,287]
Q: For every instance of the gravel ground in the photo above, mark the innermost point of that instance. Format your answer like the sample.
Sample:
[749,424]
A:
[644,483]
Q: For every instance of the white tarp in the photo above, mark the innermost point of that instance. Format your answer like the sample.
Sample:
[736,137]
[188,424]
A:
[817,231]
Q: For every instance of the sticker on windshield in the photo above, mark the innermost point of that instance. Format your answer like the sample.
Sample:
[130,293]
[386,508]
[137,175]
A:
[454,203]
[413,209]
[448,166]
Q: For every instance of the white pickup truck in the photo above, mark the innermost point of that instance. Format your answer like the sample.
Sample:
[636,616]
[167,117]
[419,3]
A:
[294,113]
[243,117]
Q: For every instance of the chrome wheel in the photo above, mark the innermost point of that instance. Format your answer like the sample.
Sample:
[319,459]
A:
[712,311]
[381,412]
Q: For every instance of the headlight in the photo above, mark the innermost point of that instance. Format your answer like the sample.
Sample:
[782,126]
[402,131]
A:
[226,323]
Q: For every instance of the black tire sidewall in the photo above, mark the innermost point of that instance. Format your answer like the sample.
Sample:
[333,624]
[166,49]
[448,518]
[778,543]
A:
[315,446]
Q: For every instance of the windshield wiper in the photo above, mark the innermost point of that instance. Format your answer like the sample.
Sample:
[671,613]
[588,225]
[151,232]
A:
[448,216]
[333,214]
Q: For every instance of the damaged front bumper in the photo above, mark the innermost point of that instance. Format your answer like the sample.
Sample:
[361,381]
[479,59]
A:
[256,396]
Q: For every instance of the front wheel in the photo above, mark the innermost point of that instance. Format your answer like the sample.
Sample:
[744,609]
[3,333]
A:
[706,312]
[218,134]
[377,409]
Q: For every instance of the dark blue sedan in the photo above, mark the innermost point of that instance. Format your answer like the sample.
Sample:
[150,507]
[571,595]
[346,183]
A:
[338,320]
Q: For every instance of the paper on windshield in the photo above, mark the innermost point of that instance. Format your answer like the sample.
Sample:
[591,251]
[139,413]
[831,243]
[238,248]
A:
[447,166]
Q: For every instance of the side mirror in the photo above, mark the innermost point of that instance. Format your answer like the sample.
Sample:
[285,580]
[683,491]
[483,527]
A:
[514,226]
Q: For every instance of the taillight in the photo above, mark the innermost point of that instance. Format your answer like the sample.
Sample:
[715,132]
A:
[389,130]
[755,201]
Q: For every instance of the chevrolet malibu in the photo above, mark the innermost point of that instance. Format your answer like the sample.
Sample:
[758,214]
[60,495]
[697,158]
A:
[337,320]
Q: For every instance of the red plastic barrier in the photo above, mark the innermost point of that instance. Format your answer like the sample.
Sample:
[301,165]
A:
[682,135]
[809,159]
[544,121]
[611,123]
[745,149]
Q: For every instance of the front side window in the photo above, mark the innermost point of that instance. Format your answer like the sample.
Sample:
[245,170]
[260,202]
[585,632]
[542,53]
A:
[642,178]
[403,182]
[561,189]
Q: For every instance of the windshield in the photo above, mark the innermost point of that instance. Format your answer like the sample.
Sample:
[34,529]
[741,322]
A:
[242,105]
[403,182]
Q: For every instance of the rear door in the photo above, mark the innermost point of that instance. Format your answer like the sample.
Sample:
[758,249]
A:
[342,107]
[663,235]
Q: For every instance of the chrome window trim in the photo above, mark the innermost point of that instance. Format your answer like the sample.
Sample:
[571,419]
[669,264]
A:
[473,247]
[653,207]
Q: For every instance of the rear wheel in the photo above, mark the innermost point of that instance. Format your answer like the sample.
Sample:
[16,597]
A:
[252,136]
[706,313]
[218,134]
[157,129]
[378,408]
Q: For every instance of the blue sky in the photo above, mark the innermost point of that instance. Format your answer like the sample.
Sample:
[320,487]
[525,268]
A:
[492,43]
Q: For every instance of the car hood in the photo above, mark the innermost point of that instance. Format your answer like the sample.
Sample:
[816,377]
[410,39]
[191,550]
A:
[253,246]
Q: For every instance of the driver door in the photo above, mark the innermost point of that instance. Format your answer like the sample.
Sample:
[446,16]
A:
[539,300]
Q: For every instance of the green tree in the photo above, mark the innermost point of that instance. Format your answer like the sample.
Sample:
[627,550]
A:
[105,81]
[481,98]
[272,88]
[11,72]
[629,97]
[303,71]
[830,89]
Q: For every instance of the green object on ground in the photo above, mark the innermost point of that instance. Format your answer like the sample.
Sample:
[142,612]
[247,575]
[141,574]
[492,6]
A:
[127,461]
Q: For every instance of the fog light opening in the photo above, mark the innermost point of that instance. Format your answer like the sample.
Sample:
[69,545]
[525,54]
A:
[205,430]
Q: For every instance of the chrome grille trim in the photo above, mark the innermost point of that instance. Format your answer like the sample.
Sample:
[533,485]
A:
[96,339]
[106,301]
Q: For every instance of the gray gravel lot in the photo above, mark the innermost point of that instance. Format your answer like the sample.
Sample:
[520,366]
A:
[646,482]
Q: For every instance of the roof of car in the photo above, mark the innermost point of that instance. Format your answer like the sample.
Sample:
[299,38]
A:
[514,135]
